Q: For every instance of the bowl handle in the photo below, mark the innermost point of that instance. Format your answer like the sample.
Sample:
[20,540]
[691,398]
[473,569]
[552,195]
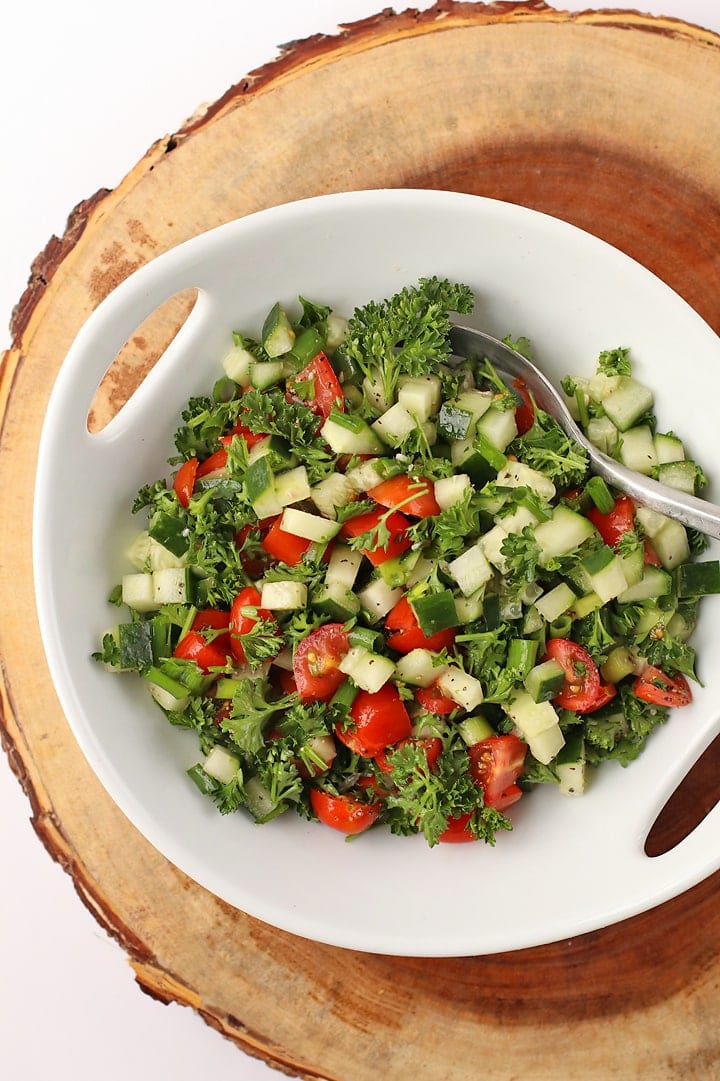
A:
[109,327]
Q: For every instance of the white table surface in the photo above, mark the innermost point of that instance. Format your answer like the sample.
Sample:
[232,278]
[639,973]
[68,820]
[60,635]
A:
[76,119]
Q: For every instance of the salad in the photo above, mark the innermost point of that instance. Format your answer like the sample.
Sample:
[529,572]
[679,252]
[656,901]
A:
[383,588]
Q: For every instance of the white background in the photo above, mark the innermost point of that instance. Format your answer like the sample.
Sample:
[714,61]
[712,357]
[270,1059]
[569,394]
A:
[86,89]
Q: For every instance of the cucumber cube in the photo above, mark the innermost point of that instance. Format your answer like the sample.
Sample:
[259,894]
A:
[419,668]
[451,490]
[308,526]
[221,765]
[637,450]
[292,486]
[284,596]
[138,592]
[378,598]
[464,689]
[420,396]
[520,475]
[368,671]
[471,570]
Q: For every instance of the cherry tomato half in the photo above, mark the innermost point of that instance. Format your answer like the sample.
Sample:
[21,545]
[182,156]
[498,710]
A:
[345,812]
[405,634]
[214,464]
[661,690]
[325,392]
[582,691]
[207,651]
[316,662]
[414,496]
[434,701]
[495,765]
[379,719]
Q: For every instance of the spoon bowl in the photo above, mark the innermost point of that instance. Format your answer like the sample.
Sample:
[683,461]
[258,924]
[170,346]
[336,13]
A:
[689,509]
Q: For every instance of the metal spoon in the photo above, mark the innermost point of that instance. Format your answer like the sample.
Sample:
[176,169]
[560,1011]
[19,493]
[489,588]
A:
[688,509]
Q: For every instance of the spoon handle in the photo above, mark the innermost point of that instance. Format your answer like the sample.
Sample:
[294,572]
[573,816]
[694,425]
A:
[689,509]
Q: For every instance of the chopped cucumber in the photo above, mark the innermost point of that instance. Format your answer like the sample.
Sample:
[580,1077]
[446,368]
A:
[628,403]
[420,396]
[682,476]
[451,490]
[463,688]
[564,531]
[519,475]
[266,373]
[292,486]
[335,491]
[378,598]
[284,596]
[637,450]
[555,602]
[237,364]
[336,603]
[671,544]
[278,336]
[349,434]
[653,584]
[498,426]
[545,680]
[343,566]
[419,667]
[668,448]
[368,671]
[221,764]
[471,570]
[603,434]
[308,526]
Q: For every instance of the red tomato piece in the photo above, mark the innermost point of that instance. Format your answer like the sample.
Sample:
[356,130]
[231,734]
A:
[458,830]
[213,464]
[184,483]
[286,680]
[616,523]
[325,393]
[406,634]
[397,525]
[244,614]
[316,662]
[495,765]
[252,565]
[661,690]
[284,546]
[415,496]
[251,438]
[582,688]
[434,701]
[432,746]
[379,720]
[650,557]
[195,647]
[606,693]
[525,413]
[345,813]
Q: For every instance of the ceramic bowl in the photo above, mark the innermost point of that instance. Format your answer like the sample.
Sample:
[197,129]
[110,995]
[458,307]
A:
[569,865]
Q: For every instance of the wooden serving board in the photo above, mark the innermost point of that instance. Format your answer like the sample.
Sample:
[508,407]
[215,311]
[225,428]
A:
[609,120]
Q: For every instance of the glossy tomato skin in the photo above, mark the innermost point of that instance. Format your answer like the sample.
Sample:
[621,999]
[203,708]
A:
[405,634]
[582,688]
[327,393]
[379,720]
[616,523]
[315,666]
[345,812]
[397,525]
[284,546]
[194,646]
[215,462]
[434,701]
[241,622]
[184,483]
[660,690]
[495,765]
[413,496]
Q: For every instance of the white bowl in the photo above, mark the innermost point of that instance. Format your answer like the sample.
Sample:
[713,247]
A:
[569,866]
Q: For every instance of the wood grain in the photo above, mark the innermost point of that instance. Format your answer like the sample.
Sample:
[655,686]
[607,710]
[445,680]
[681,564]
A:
[608,120]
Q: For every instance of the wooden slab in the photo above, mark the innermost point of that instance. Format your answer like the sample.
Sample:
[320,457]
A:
[609,120]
